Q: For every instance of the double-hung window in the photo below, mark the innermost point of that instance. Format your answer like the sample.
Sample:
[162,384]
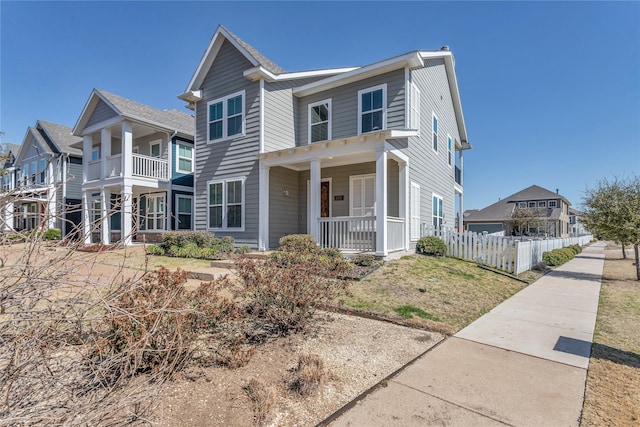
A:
[414,108]
[43,171]
[185,158]
[320,121]
[362,195]
[155,213]
[449,152]
[226,204]
[372,109]
[438,213]
[184,211]
[553,203]
[435,133]
[226,117]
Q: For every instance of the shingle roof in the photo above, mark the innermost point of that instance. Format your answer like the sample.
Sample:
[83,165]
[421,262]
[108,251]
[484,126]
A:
[502,209]
[40,140]
[61,137]
[170,119]
[260,58]
[11,148]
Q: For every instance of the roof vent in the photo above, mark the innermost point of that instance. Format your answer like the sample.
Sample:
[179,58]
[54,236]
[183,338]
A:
[445,48]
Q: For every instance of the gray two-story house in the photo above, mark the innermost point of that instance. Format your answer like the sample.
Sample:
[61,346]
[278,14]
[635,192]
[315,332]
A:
[137,170]
[42,186]
[361,158]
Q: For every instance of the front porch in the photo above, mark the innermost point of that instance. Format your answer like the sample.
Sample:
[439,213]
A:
[350,194]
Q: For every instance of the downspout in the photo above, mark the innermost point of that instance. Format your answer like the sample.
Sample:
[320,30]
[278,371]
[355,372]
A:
[170,173]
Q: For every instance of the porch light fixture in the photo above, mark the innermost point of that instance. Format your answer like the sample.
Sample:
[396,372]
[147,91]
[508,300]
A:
[285,193]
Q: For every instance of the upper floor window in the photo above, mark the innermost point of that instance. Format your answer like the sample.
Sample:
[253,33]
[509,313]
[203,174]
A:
[320,121]
[542,204]
[226,117]
[185,158]
[34,171]
[372,109]
[154,149]
[95,153]
[43,171]
[450,154]
[553,203]
[532,204]
[435,133]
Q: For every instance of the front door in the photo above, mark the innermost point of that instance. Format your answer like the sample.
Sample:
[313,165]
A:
[325,197]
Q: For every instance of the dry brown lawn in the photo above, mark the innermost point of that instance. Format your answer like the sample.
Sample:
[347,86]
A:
[612,396]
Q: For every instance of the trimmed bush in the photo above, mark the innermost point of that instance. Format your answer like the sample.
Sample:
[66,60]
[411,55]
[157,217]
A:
[223,244]
[559,256]
[299,243]
[364,260]
[53,234]
[202,239]
[155,250]
[431,245]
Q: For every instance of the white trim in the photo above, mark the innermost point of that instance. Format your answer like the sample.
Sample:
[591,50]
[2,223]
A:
[259,73]
[382,87]
[441,199]
[177,211]
[148,196]
[542,204]
[411,60]
[153,144]
[263,207]
[415,214]
[224,183]
[177,144]
[450,159]
[414,108]
[407,83]
[225,117]
[261,116]
[326,102]
[555,203]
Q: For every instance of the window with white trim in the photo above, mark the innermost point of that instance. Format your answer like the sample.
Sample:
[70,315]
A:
[362,195]
[184,160]
[553,203]
[34,171]
[154,149]
[435,133]
[372,109]
[226,204]
[450,154]
[415,211]
[414,108]
[96,212]
[542,204]
[184,212]
[320,121]
[532,204]
[25,173]
[155,212]
[226,117]
[95,153]
[522,204]
[438,212]
[43,171]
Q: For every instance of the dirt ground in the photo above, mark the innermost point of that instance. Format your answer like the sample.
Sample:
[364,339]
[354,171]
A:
[612,395]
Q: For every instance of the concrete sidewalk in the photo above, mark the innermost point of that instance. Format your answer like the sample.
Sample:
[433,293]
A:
[522,364]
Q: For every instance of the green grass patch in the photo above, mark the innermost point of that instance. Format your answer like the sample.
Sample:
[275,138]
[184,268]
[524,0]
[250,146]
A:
[407,312]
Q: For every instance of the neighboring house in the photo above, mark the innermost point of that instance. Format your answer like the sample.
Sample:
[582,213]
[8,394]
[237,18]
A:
[45,187]
[358,157]
[545,213]
[8,181]
[137,169]
[576,228]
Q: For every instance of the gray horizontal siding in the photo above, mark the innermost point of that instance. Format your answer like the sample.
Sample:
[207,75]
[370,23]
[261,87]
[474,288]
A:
[74,181]
[101,113]
[230,158]
[427,168]
[344,100]
[284,208]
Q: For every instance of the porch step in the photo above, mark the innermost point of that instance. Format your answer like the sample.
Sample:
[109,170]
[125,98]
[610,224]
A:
[222,263]
[207,275]
[228,263]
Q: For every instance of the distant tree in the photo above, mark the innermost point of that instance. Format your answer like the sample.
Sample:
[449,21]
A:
[612,209]
[523,218]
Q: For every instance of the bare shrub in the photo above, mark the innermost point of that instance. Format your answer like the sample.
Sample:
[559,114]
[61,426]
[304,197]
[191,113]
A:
[262,400]
[307,377]
[233,352]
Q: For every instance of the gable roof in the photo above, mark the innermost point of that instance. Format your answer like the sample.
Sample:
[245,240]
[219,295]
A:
[502,209]
[172,120]
[59,137]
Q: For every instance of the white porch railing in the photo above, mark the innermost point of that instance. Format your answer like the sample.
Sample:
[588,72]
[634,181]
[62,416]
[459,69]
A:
[114,165]
[150,167]
[94,170]
[352,233]
[395,233]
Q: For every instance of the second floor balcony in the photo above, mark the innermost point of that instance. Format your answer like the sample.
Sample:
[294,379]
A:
[142,166]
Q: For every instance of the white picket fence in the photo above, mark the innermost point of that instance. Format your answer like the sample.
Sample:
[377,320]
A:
[513,255]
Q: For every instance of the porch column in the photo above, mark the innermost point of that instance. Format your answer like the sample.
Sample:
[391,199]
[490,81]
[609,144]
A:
[127,149]
[314,198]
[403,180]
[8,216]
[263,211]
[105,197]
[52,208]
[86,218]
[381,202]
[105,152]
[126,216]
[87,143]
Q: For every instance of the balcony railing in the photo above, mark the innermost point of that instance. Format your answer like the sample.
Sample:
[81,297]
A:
[150,167]
[458,176]
[94,170]
[114,165]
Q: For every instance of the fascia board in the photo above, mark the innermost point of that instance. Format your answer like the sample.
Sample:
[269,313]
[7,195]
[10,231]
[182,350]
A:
[259,72]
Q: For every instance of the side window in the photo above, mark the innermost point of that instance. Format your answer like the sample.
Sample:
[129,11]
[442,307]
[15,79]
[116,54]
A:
[320,121]
[372,109]
[226,117]
[435,133]
[184,161]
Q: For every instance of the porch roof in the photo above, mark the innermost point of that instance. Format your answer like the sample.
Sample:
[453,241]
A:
[337,152]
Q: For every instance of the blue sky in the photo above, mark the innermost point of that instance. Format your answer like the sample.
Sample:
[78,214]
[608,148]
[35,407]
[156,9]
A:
[550,90]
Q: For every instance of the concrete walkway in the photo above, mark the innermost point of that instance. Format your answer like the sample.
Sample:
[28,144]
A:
[522,364]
